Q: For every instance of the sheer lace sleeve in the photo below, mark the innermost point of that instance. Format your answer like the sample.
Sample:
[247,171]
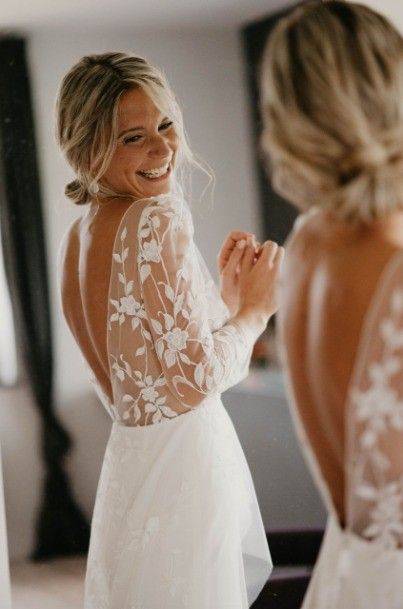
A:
[375,418]
[166,349]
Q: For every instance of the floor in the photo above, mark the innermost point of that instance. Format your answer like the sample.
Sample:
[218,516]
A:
[59,584]
[56,584]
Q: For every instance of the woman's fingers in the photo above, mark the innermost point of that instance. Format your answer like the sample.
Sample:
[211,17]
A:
[248,257]
[278,260]
[269,257]
[236,235]
[258,280]
[269,252]
[235,257]
[226,250]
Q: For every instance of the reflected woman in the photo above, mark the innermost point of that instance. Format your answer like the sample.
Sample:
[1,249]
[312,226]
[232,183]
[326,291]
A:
[332,99]
[176,521]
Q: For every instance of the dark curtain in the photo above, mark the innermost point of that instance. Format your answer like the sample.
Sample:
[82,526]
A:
[61,528]
[278,215]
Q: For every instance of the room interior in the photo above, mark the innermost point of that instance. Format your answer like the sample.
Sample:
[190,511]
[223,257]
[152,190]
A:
[53,429]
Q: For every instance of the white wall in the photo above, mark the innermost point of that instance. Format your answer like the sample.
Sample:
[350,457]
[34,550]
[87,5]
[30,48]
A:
[392,9]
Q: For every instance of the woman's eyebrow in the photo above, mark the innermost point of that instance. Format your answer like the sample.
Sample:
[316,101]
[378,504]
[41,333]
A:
[139,128]
[131,129]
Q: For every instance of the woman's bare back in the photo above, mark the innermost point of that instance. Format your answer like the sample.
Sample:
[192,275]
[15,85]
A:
[330,274]
[85,263]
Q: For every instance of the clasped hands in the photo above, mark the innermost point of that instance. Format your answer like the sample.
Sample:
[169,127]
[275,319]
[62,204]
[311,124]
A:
[248,273]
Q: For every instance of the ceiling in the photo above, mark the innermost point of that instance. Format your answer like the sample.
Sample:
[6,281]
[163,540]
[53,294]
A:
[139,14]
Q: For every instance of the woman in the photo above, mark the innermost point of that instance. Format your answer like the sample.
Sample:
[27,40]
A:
[332,91]
[176,521]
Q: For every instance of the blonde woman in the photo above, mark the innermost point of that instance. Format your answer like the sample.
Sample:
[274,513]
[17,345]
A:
[176,521]
[332,99]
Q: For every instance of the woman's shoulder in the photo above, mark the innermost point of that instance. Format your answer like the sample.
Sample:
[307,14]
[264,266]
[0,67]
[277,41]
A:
[68,243]
[164,212]
[305,219]
[304,227]
[304,237]
[167,202]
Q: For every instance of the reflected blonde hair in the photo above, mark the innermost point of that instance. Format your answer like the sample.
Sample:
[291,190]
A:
[332,106]
[87,118]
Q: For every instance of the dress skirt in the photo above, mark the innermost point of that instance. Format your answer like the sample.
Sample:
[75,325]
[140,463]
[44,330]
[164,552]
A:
[176,521]
[353,573]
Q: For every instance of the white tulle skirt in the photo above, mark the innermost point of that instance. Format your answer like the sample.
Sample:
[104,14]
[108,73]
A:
[176,520]
[352,573]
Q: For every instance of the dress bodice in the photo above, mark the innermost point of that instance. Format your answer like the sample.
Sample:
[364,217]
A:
[170,343]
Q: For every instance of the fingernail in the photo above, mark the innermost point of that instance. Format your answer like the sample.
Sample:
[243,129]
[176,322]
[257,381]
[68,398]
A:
[241,244]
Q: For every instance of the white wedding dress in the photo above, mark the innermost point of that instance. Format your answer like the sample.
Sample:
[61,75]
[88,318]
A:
[176,521]
[360,566]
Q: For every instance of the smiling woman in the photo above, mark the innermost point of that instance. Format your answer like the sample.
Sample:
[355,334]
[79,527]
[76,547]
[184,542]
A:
[106,141]
[176,521]
[132,168]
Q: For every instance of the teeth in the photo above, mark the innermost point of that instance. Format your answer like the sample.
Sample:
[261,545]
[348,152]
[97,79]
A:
[156,173]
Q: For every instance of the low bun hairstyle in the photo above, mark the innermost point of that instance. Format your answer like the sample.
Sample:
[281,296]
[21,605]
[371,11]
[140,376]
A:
[87,113]
[77,192]
[332,107]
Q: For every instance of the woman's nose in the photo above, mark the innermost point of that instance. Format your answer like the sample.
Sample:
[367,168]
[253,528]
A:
[159,147]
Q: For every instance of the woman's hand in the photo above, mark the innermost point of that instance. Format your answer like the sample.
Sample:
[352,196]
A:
[257,283]
[228,260]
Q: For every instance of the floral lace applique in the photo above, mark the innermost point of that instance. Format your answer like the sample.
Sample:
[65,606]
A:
[377,411]
[169,343]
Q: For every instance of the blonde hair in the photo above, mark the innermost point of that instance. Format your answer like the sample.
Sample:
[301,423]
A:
[332,106]
[87,118]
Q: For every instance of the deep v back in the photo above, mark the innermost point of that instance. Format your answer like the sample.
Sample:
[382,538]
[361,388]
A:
[326,340]
[84,267]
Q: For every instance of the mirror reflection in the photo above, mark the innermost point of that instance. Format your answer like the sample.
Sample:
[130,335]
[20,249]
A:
[143,233]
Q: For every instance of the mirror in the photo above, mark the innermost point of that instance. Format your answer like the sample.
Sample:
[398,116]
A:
[210,55]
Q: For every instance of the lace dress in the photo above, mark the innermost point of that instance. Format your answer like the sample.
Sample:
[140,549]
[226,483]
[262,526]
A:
[176,521]
[361,566]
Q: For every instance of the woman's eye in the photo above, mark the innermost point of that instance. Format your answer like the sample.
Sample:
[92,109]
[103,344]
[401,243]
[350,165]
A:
[166,125]
[132,138]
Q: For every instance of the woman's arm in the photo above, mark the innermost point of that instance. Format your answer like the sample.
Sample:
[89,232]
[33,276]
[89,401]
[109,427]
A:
[196,361]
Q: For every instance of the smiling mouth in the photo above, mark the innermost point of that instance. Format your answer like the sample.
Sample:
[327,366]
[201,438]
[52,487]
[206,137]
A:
[159,173]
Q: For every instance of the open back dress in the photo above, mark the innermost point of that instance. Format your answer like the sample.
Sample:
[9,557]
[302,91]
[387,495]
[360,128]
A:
[176,521]
[360,564]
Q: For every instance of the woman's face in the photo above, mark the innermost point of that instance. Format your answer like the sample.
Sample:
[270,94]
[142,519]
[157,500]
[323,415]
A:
[144,158]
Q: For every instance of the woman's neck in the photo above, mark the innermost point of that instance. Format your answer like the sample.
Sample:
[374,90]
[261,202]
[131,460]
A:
[388,229]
